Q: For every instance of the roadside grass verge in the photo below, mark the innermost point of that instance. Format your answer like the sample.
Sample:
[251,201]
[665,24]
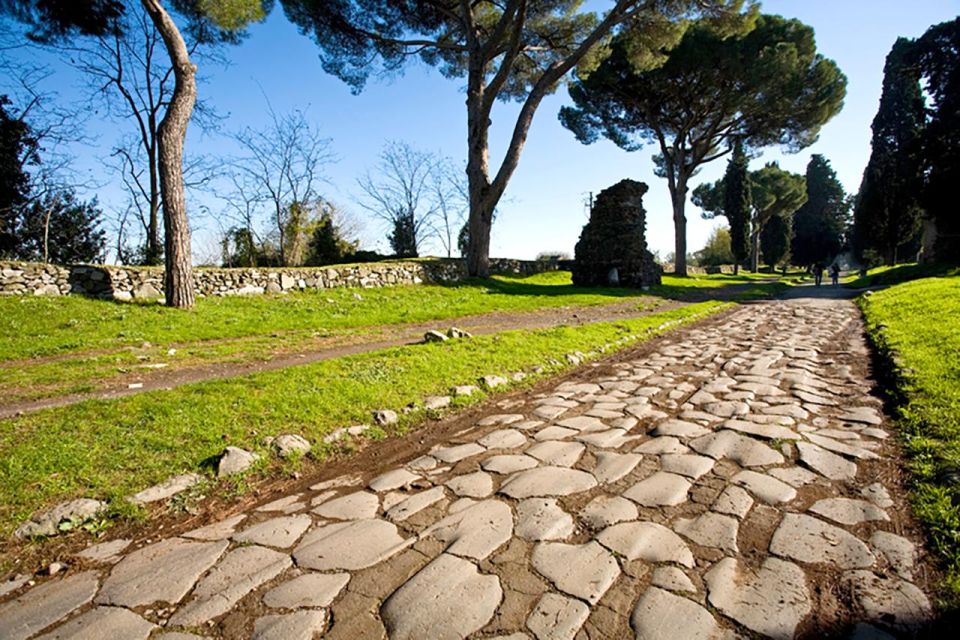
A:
[915,328]
[110,449]
[879,276]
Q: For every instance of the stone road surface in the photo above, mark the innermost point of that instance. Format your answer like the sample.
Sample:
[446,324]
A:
[726,484]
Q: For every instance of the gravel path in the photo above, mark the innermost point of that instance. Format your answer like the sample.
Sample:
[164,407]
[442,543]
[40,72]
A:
[738,481]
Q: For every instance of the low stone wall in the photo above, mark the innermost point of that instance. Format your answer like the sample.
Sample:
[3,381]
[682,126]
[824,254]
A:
[699,271]
[126,283]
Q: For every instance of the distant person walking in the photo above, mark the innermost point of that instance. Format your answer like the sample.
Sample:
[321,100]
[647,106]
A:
[818,273]
[835,274]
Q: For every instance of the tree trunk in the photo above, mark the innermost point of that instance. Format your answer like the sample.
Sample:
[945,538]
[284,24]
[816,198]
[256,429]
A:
[755,249]
[678,197]
[480,219]
[153,224]
[171,136]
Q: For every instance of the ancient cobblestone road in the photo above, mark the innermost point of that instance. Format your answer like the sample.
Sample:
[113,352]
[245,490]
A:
[731,483]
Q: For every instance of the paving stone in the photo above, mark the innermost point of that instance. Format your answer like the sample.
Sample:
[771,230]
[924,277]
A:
[726,408]
[415,503]
[105,551]
[584,571]
[164,572]
[500,418]
[218,530]
[44,604]
[278,532]
[549,411]
[475,531]
[661,615]
[898,551]
[679,429]
[864,415]
[554,432]
[505,464]
[810,540]
[794,411]
[547,482]
[542,519]
[557,617]
[166,489]
[458,452]
[889,600]
[646,541]
[874,432]
[472,485]
[743,450]
[710,530]
[359,505]
[767,431]
[684,464]
[764,487]
[814,398]
[604,511]
[349,545]
[176,635]
[503,439]
[771,601]
[584,423]
[299,625]
[613,466]
[794,476]
[392,480]
[609,439]
[645,411]
[307,590]
[672,579]
[287,504]
[556,453]
[839,447]
[848,511]
[663,444]
[827,464]
[240,572]
[13,583]
[734,501]
[423,463]
[660,489]
[447,599]
[103,622]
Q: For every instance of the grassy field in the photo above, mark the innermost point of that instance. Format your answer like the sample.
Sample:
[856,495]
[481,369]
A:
[113,448]
[916,326]
[59,346]
[879,276]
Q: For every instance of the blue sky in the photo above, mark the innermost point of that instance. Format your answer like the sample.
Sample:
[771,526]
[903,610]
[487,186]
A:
[544,204]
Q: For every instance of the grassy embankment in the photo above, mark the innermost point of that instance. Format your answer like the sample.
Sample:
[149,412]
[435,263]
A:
[57,346]
[916,328]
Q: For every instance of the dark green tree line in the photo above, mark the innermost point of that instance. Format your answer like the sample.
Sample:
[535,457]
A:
[819,225]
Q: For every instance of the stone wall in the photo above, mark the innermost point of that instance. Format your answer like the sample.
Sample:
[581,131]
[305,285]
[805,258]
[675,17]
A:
[126,283]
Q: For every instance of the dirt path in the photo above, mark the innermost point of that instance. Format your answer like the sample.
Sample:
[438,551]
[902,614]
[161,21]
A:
[152,380]
[732,479]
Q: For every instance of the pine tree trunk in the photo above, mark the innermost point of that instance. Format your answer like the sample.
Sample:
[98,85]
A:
[678,196]
[172,133]
[755,250]
[480,219]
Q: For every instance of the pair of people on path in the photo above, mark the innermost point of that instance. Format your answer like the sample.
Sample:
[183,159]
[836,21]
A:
[834,273]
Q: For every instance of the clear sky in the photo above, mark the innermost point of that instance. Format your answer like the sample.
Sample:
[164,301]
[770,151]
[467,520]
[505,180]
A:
[544,204]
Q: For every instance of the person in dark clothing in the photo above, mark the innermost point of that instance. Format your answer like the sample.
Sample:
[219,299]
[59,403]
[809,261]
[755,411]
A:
[835,274]
[818,273]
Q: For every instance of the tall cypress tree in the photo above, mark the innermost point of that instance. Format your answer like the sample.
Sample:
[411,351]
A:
[888,212]
[818,225]
[737,203]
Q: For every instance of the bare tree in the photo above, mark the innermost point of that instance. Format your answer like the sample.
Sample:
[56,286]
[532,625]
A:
[451,200]
[400,194]
[281,169]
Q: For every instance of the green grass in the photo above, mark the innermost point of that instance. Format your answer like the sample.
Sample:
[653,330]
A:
[879,276]
[916,327]
[114,448]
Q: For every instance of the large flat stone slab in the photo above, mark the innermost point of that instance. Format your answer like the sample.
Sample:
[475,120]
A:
[764,487]
[162,572]
[43,605]
[103,622]
[307,590]
[298,625]
[660,489]
[472,485]
[277,532]
[547,482]
[661,615]
[710,530]
[766,431]
[240,572]
[349,545]
[542,519]
[557,453]
[557,617]
[359,505]
[448,600]
[415,503]
[604,511]
[585,571]
[810,540]
[476,531]
[613,466]
[827,464]
[646,541]
[848,511]
[679,429]
[890,600]
[772,601]
[686,464]
[745,451]
[506,464]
